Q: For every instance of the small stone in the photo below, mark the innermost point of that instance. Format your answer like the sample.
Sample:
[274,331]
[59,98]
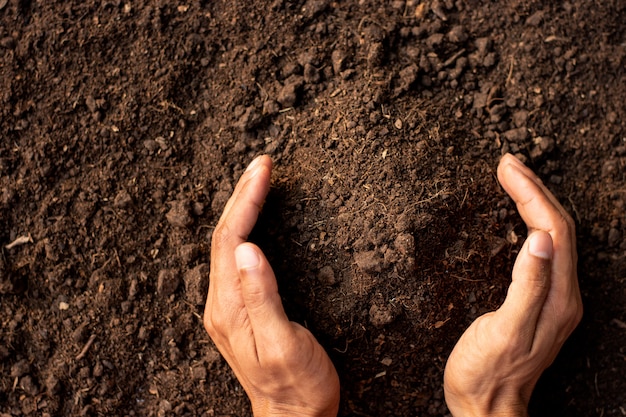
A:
[516,135]
[151,145]
[198,373]
[434,40]
[122,200]
[7,42]
[20,369]
[311,74]
[91,104]
[381,315]
[520,118]
[375,54]
[167,282]
[270,108]
[189,253]
[405,244]
[197,284]
[63,306]
[338,58]
[536,18]
[249,120]
[326,275]
[369,261]
[288,96]
[482,45]
[614,237]
[28,385]
[179,214]
[609,168]
[398,124]
[53,386]
[79,335]
[98,369]
[457,34]
[542,146]
[490,60]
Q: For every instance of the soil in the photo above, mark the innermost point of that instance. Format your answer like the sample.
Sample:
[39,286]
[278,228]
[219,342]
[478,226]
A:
[125,125]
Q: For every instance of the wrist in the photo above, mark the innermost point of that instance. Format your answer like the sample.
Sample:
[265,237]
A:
[486,408]
[271,409]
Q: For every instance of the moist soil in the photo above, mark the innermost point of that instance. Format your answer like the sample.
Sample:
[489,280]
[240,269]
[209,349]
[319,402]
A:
[125,125]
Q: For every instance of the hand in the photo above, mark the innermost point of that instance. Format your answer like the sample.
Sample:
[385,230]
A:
[498,360]
[281,366]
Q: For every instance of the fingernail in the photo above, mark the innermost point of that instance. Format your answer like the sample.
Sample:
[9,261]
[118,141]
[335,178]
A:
[540,245]
[253,164]
[246,257]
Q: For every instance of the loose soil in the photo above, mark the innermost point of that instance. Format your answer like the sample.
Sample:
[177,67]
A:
[125,125]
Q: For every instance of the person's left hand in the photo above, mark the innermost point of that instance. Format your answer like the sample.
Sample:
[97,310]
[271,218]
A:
[281,366]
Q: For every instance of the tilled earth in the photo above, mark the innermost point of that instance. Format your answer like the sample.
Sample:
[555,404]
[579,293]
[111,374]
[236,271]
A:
[125,125]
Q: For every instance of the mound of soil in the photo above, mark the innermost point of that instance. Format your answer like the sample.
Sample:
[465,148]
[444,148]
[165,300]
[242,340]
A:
[125,126]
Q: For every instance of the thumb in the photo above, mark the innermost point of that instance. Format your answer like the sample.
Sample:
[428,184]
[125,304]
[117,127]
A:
[530,286]
[260,295]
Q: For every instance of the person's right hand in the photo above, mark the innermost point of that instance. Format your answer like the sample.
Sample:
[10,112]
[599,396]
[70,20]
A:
[498,360]
[280,364]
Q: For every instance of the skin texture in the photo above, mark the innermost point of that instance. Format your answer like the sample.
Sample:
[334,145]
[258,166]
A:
[491,371]
[280,364]
[498,360]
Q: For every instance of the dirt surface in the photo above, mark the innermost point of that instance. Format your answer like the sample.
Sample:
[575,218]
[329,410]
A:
[125,125]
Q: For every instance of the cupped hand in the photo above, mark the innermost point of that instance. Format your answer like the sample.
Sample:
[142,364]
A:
[498,360]
[280,364]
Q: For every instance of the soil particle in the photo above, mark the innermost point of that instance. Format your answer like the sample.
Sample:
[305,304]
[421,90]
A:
[369,262]
[520,118]
[28,385]
[53,385]
[542,146]
[517,135]
[180,214]
[614,237]
[405,244]
[189,253]
[122,199]
[381,314]
[288,95]
[197,283]
[311,74]
[167,282]
[338,59]
[248,120]
[375,54]
[20,369]
[326,275]
[457,34]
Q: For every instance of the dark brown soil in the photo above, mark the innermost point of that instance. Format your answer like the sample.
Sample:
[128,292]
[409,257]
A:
[125,125]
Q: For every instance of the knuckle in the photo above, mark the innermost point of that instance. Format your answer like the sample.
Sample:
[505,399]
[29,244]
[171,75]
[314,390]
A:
[214,325]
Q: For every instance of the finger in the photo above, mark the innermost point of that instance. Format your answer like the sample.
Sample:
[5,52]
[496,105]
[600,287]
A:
[539,212]
[521,183]
[529,288]
[510,159]
[267,316]
[238,219]
[248,173]
[224,304]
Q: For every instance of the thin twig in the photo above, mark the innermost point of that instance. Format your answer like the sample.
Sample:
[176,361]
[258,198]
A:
[20,241]
[86,348]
